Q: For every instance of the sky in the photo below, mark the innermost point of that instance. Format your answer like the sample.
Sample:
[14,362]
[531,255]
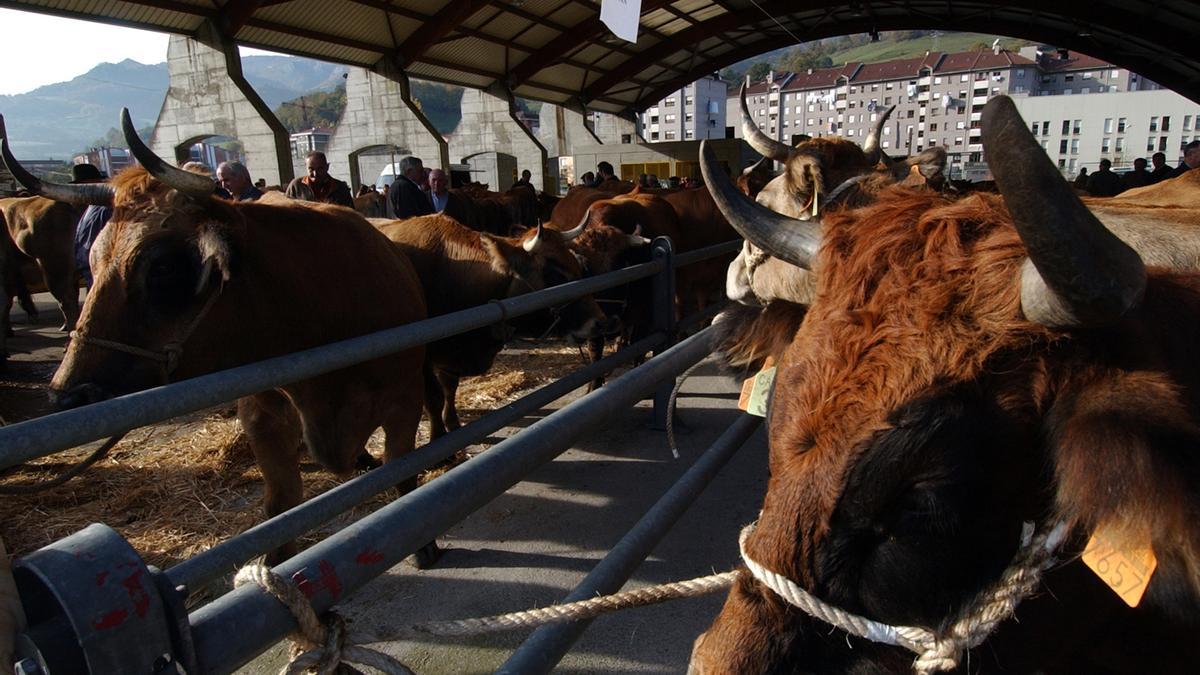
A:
[76,47]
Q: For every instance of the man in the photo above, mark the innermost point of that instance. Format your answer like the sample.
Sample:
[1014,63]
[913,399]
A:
[90,224]
[1138,177]
[234,179]
[604,172]
[318,185]
[1104,183]
[1191,159]
[1082,179]
[523,182]
[439,193]
[1160,171]
[405,196]
[587,179]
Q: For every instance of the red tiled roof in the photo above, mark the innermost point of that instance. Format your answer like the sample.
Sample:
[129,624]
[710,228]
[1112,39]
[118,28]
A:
[939,62]
[819,77]
[1074,61]
[980,59]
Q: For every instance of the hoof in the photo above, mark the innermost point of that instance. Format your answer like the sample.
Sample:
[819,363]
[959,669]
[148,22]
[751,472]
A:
[427,556]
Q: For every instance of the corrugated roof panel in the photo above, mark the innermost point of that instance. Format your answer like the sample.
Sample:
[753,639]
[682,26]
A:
[503,26]
[693,6]
[351,20]
[675,26]
[709,12]
[657,18]
[440,74]
[404,27]
[427,7]
[538,94]
[537,36]
[570,14]
[563,77]
[272,40]
[471,53]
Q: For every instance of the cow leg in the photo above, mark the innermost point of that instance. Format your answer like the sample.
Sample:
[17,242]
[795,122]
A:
[449,384]
[60,279]
[435,401]
[273,427]
[400,429]
[595,353]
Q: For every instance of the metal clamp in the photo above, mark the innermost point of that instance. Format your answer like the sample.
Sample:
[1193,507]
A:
[94,606]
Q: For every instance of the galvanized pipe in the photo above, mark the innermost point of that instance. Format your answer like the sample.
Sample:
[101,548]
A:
[59,431]
[227,556]
[548,644]
[732,246]
[241,624]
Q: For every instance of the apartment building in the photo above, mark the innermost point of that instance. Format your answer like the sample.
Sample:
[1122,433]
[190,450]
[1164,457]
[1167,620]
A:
[938,100]
[695,112]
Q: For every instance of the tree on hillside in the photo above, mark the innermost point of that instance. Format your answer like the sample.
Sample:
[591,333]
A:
[315,109]
[113,138]
[759,71]
[801,59]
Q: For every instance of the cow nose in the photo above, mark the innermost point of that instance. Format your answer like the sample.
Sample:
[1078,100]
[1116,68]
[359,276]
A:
[76,396]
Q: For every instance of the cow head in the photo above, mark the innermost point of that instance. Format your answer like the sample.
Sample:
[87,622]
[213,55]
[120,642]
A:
[541,258]
[964,368]
[157,265]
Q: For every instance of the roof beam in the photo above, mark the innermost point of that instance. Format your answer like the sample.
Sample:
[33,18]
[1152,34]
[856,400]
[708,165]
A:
[585,31]
[437,27]
[234,15]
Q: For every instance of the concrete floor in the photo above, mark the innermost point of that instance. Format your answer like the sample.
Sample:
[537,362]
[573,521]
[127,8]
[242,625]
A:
[532,545]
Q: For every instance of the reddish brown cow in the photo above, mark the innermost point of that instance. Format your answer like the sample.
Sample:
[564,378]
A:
[187,284]
[965,368]
[500,213]
[460,268]
[371,204]
[44,230]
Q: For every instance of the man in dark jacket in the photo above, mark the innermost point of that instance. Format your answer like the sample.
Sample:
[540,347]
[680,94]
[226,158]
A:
[318,186]
[406,196]
[1103,182]
[1138,177]
[1159,169]
[1191,159]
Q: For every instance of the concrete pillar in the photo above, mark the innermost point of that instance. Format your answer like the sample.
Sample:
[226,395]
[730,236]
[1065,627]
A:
[380,113]
[561,129]
[614,129]
[208,96]
[489,124]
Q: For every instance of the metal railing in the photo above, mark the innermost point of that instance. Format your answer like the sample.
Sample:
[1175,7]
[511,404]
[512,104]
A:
[232,629]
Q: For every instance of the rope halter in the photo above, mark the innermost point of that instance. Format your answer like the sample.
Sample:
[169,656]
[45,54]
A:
[936,651]
[168,355]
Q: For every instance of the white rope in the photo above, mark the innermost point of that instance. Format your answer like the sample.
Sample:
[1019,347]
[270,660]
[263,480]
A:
[935,652]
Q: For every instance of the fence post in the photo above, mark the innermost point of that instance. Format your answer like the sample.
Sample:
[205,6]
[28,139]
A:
[664,322]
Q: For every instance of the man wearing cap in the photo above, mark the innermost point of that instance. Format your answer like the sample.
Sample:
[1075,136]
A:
[90,224]
[318,186]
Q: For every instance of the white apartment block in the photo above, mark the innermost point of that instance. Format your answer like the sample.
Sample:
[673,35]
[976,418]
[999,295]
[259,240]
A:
[695,112]
[939,101]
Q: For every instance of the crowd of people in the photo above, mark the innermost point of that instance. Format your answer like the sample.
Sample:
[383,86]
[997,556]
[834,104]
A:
[604,173]
[1104,182]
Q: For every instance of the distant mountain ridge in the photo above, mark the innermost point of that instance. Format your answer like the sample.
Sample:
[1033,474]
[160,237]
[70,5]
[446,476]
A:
[59,120]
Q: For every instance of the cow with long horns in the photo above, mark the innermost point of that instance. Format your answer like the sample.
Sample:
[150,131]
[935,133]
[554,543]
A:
[984,394]
[187,284]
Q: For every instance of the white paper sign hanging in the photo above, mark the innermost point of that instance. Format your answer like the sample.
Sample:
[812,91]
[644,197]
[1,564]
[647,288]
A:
[621,17]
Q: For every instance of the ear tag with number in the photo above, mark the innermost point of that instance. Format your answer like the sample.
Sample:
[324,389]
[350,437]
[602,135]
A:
[756,392]
[1126,570]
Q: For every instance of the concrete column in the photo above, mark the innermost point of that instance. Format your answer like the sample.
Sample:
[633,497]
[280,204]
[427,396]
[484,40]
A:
[489,124]
[561,129]
[380,113]
[208,96]
[610,129]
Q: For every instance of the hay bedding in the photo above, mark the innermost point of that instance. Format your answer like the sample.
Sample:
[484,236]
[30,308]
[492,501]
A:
[179,487]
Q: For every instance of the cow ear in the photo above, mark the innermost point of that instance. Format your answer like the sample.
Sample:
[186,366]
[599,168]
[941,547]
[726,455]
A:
[216,255]
[931,163]
[1125,461]
[507,258]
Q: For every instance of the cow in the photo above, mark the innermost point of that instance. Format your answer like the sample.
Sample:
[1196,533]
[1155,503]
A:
[460,268]
[500,213]
[187,284]
[371,204]
[979,384]
[43,230]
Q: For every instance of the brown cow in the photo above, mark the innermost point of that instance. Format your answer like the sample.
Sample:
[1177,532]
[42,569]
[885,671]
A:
[501,213]
[968,367]
[187,284]
[371,204]
[459,269]
[44,230]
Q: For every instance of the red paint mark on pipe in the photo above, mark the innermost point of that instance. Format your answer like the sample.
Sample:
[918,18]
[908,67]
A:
[329,579]
[101,578]
[306,587]
[111,620]
[368,557]
[139,596]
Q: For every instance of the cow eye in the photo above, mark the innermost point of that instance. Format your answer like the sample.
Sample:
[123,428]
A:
[170,277]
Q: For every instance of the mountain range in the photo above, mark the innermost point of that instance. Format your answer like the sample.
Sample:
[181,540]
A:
[59,120]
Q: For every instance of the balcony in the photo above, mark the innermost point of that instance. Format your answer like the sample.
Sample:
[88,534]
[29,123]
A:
[975,147]
[975,117]
[840,104]
[979,100]
[923,96]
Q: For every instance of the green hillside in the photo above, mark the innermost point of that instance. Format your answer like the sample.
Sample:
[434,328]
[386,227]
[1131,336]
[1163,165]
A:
[892,47]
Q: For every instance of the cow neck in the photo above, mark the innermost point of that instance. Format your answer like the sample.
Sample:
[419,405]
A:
[169,354]
[940,650]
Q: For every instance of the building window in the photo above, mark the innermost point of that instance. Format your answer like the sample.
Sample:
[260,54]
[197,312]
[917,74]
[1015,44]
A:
[654,135]
[1108,125]
[1150,144]
[1153,124]
[1076,126]
[886,144]
[1062,147]
[960,125]
[1062,164]
[958,139]
[850,119]
[849,132]
[1166,123]
[1120,145]
[1162,144]
[689,100]
[1020,72]
[1066,127]
[964,78]
[669,118]
[933,126]
[910,114]
[1105,145]
[1116,73]
[887,100]
[670,103]
[888,86]
[689,134]
[1068,78]
[1120,125]
[1074,146]
[1187,122]
[670,135]
[1045,128]
[937,80]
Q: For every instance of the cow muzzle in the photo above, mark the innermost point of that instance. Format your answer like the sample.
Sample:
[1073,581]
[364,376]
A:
[80,395]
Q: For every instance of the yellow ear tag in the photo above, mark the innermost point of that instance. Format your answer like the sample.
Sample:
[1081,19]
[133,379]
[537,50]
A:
[1127,571]
[756,391]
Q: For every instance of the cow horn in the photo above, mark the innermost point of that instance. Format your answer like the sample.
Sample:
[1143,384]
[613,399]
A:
[788,239]
[100,194]
[871,145]
[1078,273]
[534,243]
[636,239]
[754,167]
[191,184]
[762,143]
[578,229]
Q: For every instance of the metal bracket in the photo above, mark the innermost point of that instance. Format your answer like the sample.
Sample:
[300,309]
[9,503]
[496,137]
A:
[95,607]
